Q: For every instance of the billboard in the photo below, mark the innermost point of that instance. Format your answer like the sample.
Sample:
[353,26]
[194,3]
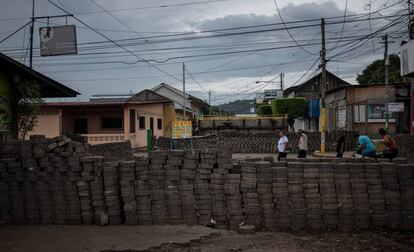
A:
[58,40]
[182,129]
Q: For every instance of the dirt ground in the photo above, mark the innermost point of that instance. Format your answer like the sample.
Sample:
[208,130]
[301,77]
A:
[191,239]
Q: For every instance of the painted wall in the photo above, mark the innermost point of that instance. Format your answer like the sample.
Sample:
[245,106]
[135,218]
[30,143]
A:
[48,124]
[139,138]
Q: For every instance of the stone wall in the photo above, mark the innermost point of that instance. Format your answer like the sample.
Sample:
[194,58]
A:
[257,141]
[56,182]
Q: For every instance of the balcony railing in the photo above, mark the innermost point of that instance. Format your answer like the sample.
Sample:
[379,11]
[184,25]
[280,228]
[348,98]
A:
[104,138]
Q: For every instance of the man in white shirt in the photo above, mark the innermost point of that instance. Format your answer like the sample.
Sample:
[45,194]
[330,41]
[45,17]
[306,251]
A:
[303,144]
[282,145]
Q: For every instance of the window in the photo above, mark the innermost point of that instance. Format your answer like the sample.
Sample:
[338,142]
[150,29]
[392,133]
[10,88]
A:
[142,122]
[111,122]
[132,121]
[159,123]
[151,123]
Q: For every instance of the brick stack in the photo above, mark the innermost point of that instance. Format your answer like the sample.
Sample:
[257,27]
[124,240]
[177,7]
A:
[85,202]
[248,186]
[58,201]
[172,170]
[186,187]
[30,205]
[4,196]
[224,164]
[296,195]
[312,195]
[406,176]
[344,195]
[233,200]
[44,202]
[142,192]
[281,196]
[328,195]
[391,194]
[375,195]
[111,192]
[92,166]
[157,186]
[73,211]
[127,175]
[359,195]
[264,191]
[202,187]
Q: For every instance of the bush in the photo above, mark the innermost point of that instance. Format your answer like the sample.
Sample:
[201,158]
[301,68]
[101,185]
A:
[292,107]
[264,110]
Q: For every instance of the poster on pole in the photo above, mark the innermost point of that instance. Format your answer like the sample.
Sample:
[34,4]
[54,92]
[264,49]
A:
[58,40]
[182,129]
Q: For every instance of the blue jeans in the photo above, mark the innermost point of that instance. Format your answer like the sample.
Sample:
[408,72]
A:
[370,154]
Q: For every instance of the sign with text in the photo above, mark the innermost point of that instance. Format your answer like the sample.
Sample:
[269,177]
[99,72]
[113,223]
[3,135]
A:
[396,107]
[58,40]
[377,111]
[182,129]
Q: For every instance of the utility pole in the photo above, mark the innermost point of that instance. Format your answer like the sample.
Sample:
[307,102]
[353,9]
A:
[386,65]
[184,100]
[282,75]
[411,80]
[323,88]
[209,102]
[31,35]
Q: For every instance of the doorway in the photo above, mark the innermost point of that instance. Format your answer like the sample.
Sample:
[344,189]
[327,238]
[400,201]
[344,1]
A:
[80,126]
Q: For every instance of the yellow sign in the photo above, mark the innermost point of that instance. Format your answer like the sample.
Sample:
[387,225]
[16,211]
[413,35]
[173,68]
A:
[182,129]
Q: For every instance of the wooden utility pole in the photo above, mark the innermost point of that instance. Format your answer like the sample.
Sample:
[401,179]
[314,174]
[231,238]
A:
[323,86]
[282,75]
[31,35]
[209,102]
[184,99]
[386,65]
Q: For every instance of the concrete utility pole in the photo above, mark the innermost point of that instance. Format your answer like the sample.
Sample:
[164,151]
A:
[31,35]
[184,100]
[323,88]
[386,65]
[282,75]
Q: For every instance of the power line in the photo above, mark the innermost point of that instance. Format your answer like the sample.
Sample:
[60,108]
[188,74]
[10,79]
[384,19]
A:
[16,31]
[103,35]
[287,30]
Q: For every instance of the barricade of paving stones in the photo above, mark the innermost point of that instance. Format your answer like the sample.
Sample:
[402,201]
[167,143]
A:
[257,142]
[46,181]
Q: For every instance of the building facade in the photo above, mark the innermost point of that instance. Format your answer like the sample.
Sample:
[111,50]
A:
[106,120]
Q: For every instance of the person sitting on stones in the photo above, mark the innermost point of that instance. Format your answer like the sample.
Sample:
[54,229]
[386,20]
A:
[366,146]
[391,149]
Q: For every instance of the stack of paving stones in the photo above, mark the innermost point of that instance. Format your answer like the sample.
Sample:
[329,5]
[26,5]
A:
[376,195]
[58,201]
[233,200]
[44,202]
[72,203]
[208,159]
[30,205]
[344,195]
[296,195]
[264,192]
[406,177]
[142,192]
[248,187]
[111,192]
[359,195]
[186,187]
[172,176]
[129,203]
[312,196]
[328,195]
[391,194]
[157,186]
[280,192]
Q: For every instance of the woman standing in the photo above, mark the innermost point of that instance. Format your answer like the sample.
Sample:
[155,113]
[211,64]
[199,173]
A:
[282,145]
[303,144]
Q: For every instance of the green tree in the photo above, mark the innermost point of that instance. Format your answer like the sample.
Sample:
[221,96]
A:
[29,106]
[292,107]
[264,110]
[374,72]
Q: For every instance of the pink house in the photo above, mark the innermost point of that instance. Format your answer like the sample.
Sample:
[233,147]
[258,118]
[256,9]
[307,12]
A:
[106,120]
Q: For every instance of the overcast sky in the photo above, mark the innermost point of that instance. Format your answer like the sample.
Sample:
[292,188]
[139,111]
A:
[234,63]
